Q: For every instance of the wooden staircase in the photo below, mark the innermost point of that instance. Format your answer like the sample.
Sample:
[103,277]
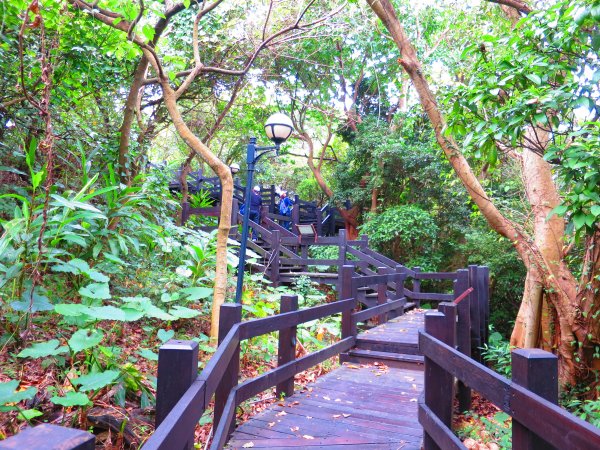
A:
[395,343]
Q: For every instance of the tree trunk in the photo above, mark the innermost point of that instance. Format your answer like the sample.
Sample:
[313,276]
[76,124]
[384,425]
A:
[128,116]
[543,253]
[224,174]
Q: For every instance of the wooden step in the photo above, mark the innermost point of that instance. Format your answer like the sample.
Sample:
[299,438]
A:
[398,360]
[374,344]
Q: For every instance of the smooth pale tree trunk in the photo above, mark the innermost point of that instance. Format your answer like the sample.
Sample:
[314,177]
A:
[224,173]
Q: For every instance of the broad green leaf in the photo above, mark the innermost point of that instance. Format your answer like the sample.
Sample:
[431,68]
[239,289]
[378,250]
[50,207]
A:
[28,414]
[84,339]
[75,266]
[96,290]
[131,315]
[95,381]
[148,354]
[164,335]
[8,392]
[35,303]
[579,220]
[72,309]
[42,349]
[181,312]
[71,399]
[97,276]
[107,313]
[595,210]
[197,293]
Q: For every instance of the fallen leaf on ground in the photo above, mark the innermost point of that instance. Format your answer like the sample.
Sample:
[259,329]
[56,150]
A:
[281,413]
[248,445]
[337,416]
[346,415]
[271,424]
[293,429]
[306,436]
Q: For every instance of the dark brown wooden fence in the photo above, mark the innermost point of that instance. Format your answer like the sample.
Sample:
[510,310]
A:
[531,396]
[178,409]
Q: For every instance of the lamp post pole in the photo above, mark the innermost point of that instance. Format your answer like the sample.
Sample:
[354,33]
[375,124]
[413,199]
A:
[278,128]
[250,160]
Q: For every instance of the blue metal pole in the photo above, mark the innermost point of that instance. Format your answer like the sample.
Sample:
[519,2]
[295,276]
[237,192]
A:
[242,258]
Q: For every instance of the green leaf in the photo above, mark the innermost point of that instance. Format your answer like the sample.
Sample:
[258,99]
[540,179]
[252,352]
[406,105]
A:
[71,399]
[579,220]
[107,313]
[560,211]
[181,312]
[72,309]
[84,339]
[114,259]
[8,394]
[71,204]
[595,210]
[97,276]
[197,293]
[148,354]
[535,79]
[96,290]
[164,335]
[35,303]
[42,349]
[28,414]
[95,381]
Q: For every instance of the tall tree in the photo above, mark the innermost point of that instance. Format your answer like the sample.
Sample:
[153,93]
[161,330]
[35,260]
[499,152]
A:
[541,247]
[127,18]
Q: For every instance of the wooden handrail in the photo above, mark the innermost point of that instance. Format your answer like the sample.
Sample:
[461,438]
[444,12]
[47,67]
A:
[258,327]
[530,410]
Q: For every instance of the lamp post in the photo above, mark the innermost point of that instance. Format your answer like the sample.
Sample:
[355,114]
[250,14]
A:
[278,129]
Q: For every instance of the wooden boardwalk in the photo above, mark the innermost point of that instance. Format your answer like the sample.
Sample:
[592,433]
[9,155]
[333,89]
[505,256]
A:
[358,405]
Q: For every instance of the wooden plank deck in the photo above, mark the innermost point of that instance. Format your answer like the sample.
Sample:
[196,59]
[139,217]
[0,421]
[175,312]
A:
[363,406]
[399,335]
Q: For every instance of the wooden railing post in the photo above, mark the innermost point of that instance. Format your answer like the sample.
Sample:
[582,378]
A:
[463,332]
[275,245]
[475,315]
[235,209]
[230,314]
[319,215]
[536,370]
[47,436]
[287,345]
[400,278]
[346,291]
[438,384]
[485,304]
[416,285]
[272,208]
[382,293]
[295,213]
[177,370]
[365,242]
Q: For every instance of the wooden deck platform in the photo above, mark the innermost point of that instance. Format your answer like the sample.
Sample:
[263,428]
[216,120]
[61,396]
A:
[362,406]
[366,406]
[399,335]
